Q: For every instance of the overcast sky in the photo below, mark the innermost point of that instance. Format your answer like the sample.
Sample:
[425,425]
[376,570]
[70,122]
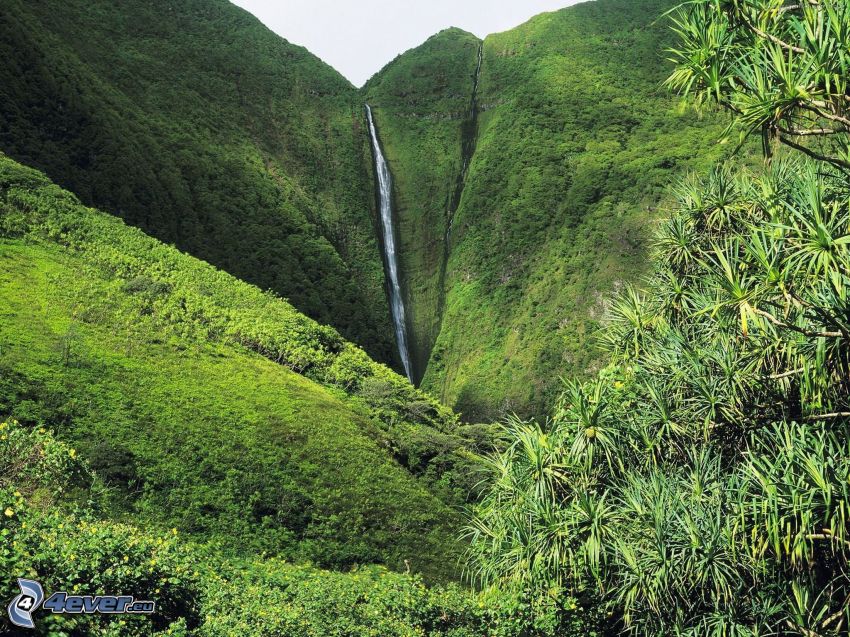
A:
[358,38]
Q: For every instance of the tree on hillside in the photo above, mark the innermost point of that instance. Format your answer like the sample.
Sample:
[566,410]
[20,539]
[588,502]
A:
[700,484]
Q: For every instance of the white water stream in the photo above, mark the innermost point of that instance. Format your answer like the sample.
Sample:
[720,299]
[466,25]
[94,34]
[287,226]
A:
[385,186]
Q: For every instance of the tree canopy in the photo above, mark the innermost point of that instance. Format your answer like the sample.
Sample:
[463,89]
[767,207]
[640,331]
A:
[781,67]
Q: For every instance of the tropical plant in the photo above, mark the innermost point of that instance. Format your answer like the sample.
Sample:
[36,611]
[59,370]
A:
[700,484]
[782,68]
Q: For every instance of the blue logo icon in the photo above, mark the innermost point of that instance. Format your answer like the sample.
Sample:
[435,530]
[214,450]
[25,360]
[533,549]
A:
[32,598]
[24,605]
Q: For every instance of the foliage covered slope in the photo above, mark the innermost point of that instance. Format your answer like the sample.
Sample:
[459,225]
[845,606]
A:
[211,406]
[52,529]
[197,124]
[576,141]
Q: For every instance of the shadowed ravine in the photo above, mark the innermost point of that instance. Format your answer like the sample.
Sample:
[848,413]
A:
[469,134]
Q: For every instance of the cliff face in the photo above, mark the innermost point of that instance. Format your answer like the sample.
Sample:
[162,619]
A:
[423,103]
[507,260]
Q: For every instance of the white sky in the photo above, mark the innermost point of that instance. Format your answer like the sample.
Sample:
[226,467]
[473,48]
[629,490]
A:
[358,37]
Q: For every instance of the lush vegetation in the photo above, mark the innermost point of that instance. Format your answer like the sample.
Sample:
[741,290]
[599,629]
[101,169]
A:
[423,102]
[524,193]
[213,407]
[175,433]
[52,529]
[194,122]
[576,143]
[700,483]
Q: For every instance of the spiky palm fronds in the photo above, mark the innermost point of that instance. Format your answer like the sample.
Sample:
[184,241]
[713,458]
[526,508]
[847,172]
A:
[710,460]
[701,482]
[780,67]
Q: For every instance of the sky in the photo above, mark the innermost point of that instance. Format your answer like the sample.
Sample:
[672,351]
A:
[358,38]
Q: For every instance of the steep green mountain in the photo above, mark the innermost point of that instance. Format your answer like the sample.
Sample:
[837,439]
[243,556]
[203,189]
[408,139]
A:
[194,122]
[528,169]
[212,407]
[574,144]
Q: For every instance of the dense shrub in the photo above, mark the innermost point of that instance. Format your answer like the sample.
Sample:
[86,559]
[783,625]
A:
[291,601]
[49,531]
[45,536]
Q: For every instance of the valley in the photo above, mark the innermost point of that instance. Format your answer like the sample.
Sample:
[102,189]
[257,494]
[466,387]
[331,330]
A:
[490,234]
[525,195]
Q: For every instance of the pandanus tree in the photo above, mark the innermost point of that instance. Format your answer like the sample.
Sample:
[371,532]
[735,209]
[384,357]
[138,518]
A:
[700,484]
[782,67]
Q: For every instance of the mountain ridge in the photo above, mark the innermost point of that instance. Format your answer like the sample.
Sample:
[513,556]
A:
[197,124]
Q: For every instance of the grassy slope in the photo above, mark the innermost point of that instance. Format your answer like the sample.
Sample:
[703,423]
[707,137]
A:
[194,122]
[52,529]
[577,141]
[157,367]
[421,103]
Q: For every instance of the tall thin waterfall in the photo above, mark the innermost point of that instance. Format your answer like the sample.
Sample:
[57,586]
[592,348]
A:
[385,185]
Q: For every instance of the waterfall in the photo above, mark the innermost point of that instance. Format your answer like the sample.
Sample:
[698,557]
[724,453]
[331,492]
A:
[385,186]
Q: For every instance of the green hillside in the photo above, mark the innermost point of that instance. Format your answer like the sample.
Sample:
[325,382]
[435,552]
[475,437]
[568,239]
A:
[577,142]
[194,122]
[524,194]
[51,527]
[211,407]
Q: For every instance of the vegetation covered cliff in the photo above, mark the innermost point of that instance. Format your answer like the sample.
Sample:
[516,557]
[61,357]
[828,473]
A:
[197,124]
[575,141]
[172,431]
[424,104]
